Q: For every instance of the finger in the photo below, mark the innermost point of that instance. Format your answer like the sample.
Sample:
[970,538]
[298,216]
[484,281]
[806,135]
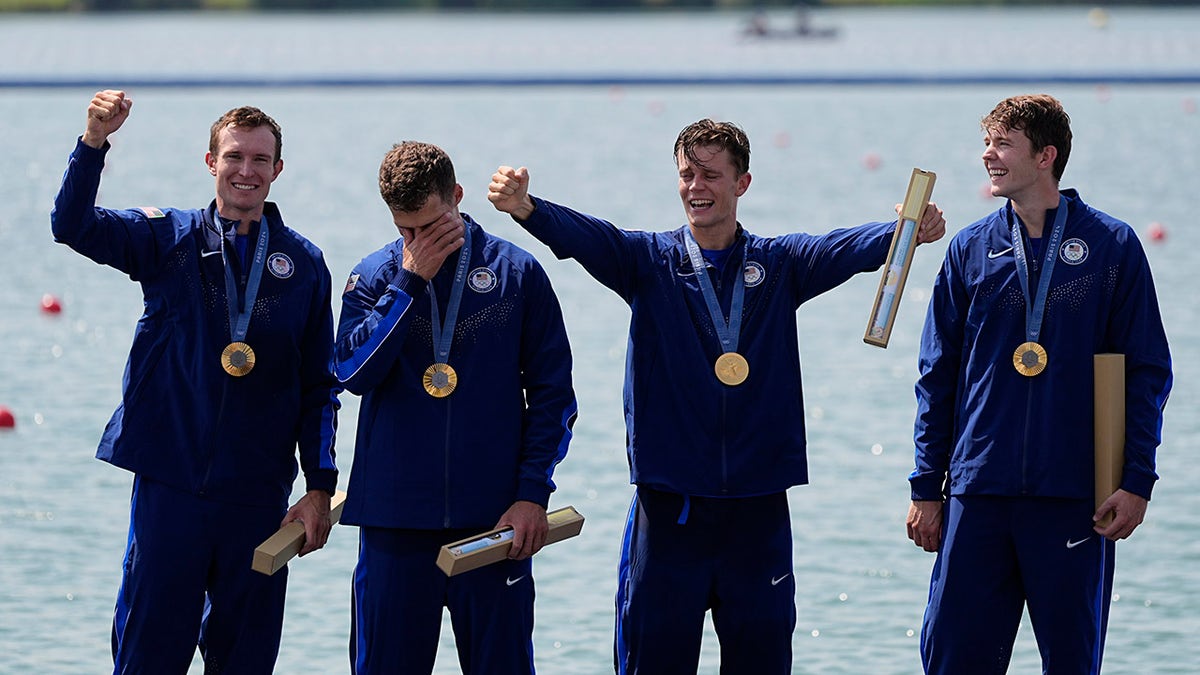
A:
[518,543]
[503,184]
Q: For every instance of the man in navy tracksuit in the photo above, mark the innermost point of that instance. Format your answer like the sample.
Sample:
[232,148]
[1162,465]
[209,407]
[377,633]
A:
[1003,486]
[229,372]
[455,340]
[714,409]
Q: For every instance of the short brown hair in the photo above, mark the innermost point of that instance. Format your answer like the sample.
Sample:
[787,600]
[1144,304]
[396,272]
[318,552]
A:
[411,172]
[722,135]
[1043,120]
[246,117]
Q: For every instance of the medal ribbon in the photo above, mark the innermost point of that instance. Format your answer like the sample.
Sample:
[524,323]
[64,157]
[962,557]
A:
[443,335]
[239,315]
[1035,307]
[727,331]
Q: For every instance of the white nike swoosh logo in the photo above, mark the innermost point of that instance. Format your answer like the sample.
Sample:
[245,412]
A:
[1073,544]
[510,581]
[205,254]
[997,254]
[775,581]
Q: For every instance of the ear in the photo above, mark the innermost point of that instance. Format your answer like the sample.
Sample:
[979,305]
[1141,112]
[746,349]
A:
[1048,155]
[458,194]
[278,169]
[211,162]
[743,184]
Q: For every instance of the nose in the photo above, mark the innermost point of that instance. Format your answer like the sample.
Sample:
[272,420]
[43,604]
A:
[245,167]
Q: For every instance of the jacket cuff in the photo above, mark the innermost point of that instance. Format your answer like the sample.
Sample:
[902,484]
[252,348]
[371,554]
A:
[83,149]
[1138,484]
[538,493]
[410,283]
[927,488]
[539,212]
[321,479]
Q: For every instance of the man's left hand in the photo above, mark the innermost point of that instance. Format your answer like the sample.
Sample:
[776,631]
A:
[1128,511]
[933,225]
[530,527]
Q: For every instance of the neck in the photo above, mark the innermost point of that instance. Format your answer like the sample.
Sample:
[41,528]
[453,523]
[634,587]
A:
[244,218]
[713,238]
[1032,210]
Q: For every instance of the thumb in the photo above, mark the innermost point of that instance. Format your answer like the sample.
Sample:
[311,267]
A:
[522,175]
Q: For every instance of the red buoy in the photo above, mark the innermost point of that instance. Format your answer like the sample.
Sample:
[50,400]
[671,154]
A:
[50,304]
[1156,231]
[871,161]
[7,421]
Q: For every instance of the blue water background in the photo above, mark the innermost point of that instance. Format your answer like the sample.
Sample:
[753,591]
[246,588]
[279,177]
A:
[824,157]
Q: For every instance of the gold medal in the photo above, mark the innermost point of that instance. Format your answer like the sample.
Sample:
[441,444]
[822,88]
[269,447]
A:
[1030,359]
[440,380]
[237,359]
[732,368]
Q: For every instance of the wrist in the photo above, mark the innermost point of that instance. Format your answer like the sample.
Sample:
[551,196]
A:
[93,140]
[525,210]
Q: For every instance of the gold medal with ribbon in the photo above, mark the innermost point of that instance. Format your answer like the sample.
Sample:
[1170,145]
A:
[1030,359]
[237,359]
[732,368]
[440,380]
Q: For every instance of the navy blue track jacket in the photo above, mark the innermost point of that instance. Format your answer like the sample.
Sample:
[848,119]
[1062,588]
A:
[183,420]
[687,432]
[430,463]
[983,428]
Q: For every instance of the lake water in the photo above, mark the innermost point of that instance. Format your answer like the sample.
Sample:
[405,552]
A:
[824,156]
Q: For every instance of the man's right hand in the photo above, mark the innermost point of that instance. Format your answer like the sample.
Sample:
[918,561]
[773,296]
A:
[107,112]
[925,524]
[426,248]
[509,192]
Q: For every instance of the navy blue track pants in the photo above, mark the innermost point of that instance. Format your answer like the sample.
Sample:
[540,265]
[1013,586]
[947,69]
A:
[683,556]
[399,593]
[1001,554]
[187,582]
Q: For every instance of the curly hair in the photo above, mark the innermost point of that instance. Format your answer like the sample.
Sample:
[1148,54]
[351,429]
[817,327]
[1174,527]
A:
[722,135]
[1043,120]
[411,172]
[246,117]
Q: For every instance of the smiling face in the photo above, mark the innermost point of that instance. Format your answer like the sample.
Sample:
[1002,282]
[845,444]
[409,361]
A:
[1015,169]
[244,166]
[709,187]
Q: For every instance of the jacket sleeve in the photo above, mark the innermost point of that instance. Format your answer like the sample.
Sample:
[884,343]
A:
[940,363]
[604,250]
[373,323]
[829,260]
[319,402]
[1136,330]
[125,240]
[550,406]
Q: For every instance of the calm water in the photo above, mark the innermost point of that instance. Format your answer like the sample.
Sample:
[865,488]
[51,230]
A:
[860,582]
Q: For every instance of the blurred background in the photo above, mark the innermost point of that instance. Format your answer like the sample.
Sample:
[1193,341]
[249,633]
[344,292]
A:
[840,102]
